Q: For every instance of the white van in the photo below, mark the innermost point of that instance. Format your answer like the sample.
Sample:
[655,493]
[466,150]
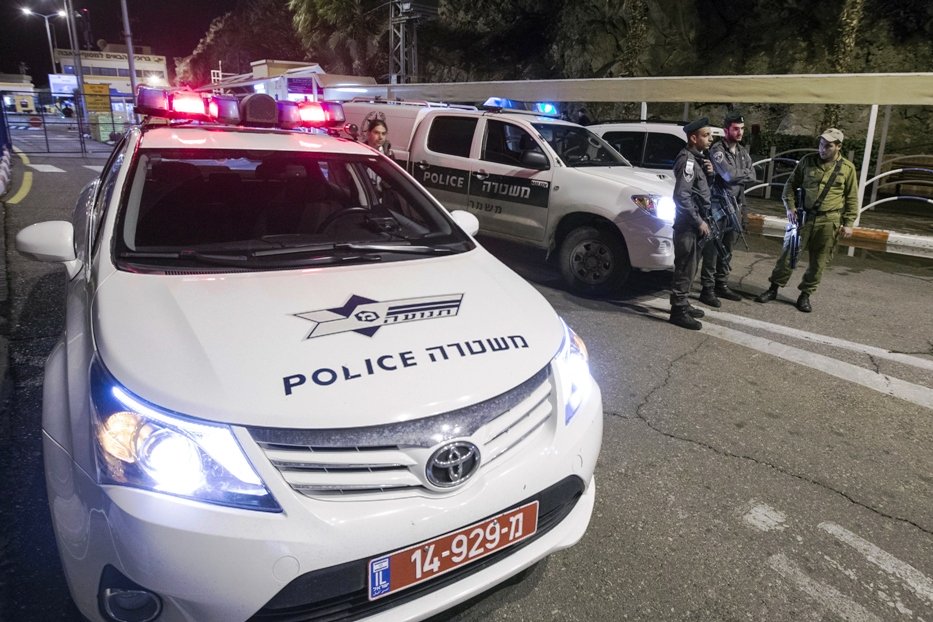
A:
[537,180]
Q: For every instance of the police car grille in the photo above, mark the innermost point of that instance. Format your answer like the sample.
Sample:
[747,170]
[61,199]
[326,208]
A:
[390,458]
[507,431]
[321,470]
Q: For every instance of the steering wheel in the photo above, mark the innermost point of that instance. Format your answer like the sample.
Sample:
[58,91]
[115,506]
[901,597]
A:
[343,213]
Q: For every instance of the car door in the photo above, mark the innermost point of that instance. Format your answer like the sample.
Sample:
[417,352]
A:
[441,162]
[510,185]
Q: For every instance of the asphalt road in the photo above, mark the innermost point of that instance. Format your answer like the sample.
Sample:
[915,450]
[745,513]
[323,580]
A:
[773,466]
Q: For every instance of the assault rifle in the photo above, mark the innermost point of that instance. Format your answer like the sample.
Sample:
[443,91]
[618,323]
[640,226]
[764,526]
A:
[715,234]
[792,236]
[731,209]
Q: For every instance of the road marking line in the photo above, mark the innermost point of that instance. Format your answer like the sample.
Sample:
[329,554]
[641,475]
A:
[884,384]
[765,518]
[46,168]
[826,595]
[23,189]
[915,580]
[915,361]
[95,167]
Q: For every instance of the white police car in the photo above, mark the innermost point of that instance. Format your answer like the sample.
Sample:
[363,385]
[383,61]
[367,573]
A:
[292,386]
[649,145]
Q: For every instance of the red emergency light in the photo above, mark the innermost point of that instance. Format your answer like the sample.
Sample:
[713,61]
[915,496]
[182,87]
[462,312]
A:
[255,110]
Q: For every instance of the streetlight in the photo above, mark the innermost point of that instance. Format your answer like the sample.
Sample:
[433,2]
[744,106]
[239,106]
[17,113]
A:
[48,31]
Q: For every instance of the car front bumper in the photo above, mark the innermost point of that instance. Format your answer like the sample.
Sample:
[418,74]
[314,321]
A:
[207,562]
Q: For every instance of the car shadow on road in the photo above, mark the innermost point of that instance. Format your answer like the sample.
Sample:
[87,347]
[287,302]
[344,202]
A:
[535,266]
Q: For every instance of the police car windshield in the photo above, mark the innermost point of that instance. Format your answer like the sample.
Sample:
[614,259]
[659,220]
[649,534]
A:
[273,210]
[577,146]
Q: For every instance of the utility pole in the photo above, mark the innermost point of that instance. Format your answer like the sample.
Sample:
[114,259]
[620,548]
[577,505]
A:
[403,42]
[79,73]
[129,47]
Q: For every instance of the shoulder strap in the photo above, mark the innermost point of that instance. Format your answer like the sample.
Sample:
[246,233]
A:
[819,200]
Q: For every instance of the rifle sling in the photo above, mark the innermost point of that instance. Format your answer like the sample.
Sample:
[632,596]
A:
[832,178]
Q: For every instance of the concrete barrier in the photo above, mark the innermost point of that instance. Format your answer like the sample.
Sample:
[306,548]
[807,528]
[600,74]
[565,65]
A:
[862,237]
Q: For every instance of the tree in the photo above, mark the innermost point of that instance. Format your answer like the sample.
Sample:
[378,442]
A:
[253,30]
[843,51]
[344,36]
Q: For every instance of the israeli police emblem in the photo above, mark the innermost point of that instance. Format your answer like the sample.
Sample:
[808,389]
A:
[688,170]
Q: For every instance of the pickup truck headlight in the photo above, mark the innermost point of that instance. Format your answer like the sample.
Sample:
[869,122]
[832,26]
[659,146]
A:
[659,206]
[146,447]
[573,372]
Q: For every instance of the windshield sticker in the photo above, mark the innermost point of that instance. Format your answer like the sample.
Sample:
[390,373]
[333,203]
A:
[365,316]
[385,363]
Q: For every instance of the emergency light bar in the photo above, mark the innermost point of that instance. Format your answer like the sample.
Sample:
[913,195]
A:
[254,110]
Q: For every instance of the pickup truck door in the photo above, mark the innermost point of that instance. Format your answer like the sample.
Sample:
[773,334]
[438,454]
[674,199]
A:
[510,185]
[440,157]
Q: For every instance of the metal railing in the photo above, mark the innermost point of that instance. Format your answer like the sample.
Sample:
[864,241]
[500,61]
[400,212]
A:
[52,127]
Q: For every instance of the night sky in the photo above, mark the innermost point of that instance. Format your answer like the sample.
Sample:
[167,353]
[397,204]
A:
[170,27]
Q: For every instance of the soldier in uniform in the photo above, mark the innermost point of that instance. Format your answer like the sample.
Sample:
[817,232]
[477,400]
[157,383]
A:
[692,174]
[830,185]
[733,168]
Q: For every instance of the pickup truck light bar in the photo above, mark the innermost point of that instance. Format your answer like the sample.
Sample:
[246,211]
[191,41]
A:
[254,110]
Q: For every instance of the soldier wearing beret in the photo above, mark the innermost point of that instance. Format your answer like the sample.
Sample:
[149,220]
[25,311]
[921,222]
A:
[692,174]
[733,166]
[830,190]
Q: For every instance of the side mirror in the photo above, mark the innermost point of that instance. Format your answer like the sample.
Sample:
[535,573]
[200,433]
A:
[533,158]
[51,241]
[466,221]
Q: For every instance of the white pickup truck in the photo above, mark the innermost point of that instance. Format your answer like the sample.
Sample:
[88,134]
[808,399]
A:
[537,180]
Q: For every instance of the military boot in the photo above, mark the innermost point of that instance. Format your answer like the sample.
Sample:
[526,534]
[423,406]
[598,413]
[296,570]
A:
[694,312]
[708,297]
[768,295]
[680,316]
[803,303]
[723,291]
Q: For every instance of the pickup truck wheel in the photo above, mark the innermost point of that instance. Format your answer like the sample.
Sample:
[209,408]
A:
[593,261]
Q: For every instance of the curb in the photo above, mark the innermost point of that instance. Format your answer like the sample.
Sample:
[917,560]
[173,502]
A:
[862,237]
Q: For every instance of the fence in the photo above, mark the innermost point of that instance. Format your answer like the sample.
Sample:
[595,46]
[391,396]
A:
[901,175]
[56,122]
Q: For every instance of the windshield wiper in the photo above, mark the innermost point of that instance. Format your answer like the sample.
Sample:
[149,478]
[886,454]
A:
[397,248]
[248,258]
[353,246]
[205,257]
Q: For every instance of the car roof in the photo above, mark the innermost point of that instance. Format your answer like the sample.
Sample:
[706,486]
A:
[667,127]
[238,137]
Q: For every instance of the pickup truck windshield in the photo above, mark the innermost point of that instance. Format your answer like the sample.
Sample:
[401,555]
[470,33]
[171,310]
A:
[577,146]
[251,210]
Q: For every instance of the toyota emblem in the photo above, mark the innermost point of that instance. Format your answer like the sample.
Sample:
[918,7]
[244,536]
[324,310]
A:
[452,464]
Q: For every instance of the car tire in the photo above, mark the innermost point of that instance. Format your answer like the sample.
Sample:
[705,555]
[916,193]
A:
[594,261]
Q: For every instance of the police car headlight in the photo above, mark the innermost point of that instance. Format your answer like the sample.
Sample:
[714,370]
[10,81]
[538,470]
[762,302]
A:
[571,366]
[146,447]
[659,206]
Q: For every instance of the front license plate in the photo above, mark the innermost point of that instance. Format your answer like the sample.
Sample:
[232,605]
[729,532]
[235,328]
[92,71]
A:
[402,569]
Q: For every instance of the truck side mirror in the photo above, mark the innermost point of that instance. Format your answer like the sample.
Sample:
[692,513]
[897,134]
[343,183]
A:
[532,158]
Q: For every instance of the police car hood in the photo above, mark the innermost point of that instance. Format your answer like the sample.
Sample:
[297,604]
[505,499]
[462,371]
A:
[322,348]
[658,182]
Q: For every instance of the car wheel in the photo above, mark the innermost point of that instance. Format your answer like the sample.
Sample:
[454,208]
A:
[594,262]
